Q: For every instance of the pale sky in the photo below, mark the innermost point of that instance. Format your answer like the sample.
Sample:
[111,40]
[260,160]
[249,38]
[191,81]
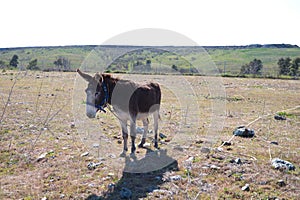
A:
[92,22]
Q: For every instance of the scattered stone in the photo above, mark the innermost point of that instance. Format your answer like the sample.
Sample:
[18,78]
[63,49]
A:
[214,167]
[188,163]
[111,187]
[205,167]
[84,154]
[159,193]
[238,161]
[96,145]
[117,137]
[242,131]
[279,117]
[282,164]
[92,165]
[273,198]
[162,136]
[140,130]
[72,125]
[190,159]
[147,144]
[42,157]
[31,126]
[263,182]
[44,198]
[119,141]
[110,174]
[281,183]
[91,185]
[112,155]
[175,178]
[220,149]
[246,187]
[62,196]
[274,142]
[199,141]
[125,193]
[205,150]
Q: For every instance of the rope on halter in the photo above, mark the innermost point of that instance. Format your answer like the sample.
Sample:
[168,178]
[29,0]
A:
[103,103]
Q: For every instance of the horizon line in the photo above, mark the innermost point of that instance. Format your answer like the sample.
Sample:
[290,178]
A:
[278,45]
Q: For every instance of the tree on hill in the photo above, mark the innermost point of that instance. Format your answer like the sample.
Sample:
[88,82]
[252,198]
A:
[2,64]
[294,67]
[284,65]
[14,61]
[148,64]
[33,65]
[62,64]
[174,67]
[254,67]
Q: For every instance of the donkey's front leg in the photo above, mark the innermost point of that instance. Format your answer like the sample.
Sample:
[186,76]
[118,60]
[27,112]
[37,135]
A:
[133,135]
[145,124]
[124,134]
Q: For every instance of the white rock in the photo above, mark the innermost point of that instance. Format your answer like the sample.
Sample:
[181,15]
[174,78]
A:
[246,187]
[84,154]
[42,156]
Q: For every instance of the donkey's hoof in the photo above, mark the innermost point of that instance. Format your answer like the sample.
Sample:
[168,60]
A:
[156,145]
[141,145]
[123,154]
[133,149]
[133,156]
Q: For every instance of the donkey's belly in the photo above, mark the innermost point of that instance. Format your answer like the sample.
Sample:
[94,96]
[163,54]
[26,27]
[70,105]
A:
[124,115]
[141,116]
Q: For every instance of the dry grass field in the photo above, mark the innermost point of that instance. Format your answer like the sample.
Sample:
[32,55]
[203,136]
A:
[45,137]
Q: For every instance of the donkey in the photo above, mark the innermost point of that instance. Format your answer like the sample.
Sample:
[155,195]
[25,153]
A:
[131,101]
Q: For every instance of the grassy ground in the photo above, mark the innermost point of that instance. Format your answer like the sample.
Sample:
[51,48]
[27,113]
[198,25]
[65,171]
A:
[227,60]
[39,119]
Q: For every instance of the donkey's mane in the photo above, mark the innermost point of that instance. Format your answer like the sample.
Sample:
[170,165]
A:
[110,77]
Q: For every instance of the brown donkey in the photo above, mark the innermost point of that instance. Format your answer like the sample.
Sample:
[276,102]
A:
[131,101]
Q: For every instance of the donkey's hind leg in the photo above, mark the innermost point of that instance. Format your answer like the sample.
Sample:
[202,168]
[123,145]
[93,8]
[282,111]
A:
[133,135]
[155,119]
[145,124]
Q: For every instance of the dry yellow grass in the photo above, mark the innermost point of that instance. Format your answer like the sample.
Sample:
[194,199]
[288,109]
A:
[39,116]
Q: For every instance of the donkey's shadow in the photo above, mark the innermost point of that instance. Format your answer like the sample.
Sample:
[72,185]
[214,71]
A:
[140,177]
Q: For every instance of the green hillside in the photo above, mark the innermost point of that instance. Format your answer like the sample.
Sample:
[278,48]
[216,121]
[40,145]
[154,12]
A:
[233,59]
[227,59]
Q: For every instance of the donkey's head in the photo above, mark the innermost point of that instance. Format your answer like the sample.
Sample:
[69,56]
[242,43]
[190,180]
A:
[96,93]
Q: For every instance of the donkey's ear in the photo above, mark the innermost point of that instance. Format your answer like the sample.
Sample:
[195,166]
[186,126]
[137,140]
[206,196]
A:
[85,76]
[98,77]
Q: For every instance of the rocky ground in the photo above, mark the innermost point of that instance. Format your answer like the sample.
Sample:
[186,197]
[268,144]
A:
[49,150]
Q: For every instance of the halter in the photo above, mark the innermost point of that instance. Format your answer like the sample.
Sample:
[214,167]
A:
[103,103]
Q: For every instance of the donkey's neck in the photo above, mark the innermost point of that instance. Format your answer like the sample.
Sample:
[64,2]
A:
[111,83]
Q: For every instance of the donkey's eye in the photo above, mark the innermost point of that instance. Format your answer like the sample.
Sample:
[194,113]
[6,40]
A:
[97,93]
